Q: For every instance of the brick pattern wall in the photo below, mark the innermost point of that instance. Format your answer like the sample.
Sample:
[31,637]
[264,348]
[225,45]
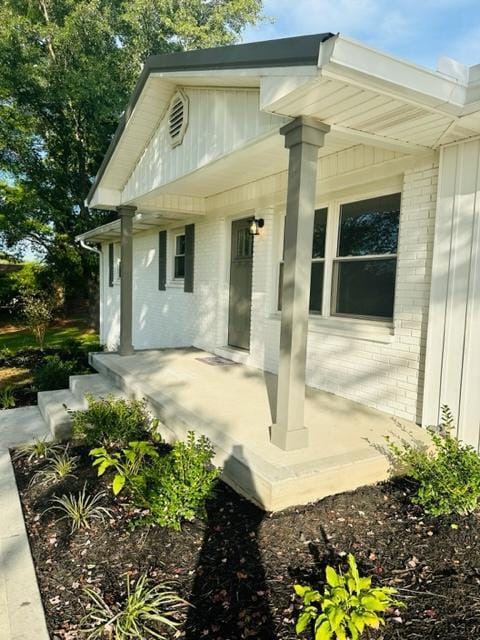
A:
[385,373]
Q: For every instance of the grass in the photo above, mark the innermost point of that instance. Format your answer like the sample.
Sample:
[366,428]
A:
[14,377]
[16,337]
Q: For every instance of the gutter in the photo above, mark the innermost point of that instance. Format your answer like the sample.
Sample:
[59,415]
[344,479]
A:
[89,247]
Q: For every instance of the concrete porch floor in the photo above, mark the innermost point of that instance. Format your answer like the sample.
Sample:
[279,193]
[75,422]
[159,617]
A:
[232,405]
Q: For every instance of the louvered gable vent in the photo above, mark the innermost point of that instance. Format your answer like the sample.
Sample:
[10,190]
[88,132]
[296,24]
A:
[178,118]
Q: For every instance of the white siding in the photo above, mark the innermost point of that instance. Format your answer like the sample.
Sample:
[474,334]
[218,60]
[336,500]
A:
[382,367]
[453,354]
[220,121]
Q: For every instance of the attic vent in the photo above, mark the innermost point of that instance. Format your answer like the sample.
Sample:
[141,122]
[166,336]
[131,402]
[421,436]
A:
[178,118]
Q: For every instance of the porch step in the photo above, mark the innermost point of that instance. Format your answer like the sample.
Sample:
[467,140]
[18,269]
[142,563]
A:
[55,405]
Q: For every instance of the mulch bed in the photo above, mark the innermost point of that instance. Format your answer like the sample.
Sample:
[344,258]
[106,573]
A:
[237,567]
[25,394]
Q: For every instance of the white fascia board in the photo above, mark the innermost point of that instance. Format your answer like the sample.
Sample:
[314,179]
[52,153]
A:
[351,61]
[105,198]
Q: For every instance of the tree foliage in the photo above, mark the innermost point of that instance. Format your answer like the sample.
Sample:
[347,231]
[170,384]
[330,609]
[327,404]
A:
[67,68]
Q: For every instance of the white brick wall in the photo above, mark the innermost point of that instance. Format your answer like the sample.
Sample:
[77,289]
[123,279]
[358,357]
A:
[376,368]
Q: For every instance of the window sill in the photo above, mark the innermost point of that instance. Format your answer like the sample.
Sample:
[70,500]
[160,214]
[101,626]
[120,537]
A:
[175,284]
[370,330]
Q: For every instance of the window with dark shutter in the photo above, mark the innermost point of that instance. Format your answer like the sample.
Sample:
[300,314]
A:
[110,265]
[189,257]
[162,260]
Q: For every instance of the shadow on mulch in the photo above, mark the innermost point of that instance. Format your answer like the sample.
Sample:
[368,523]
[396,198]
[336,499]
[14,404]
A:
[229,593]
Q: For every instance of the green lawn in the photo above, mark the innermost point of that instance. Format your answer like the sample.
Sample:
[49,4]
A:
[19,338]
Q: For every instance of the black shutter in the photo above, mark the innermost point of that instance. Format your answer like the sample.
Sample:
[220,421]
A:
[110,264]
[189,257]
[162,260]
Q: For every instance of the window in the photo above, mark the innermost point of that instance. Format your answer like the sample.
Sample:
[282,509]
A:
[365,265]
[318,260]
[179,257]
[354,262]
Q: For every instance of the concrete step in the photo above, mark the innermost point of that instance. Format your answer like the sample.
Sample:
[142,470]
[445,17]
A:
[93,384]
[54,406]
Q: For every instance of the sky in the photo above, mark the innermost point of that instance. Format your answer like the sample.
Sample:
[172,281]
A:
[418,30]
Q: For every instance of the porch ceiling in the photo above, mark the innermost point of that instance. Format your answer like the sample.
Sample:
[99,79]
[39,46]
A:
[256,161]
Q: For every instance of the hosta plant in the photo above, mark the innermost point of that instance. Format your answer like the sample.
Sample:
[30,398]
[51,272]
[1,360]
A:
[80,510]
[126,464]
[346,608]
[447,475]
[146,610]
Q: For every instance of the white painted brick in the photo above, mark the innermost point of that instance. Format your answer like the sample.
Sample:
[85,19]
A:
[385,375]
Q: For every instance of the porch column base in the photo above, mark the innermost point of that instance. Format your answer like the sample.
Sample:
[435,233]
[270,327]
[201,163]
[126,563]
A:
[289,439]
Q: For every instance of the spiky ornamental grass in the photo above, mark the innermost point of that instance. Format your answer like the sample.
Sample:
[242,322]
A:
[146,607]
[59,466]
[39,448]
[81,510]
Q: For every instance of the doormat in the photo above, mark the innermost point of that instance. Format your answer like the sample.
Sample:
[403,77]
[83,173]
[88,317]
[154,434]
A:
[216,361]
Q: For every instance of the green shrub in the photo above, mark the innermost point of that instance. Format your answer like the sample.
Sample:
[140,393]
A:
[176,486]
[54,373]
[113,422]
[7,399]
[146,610]
[348,605]
[448,475]
[37,311]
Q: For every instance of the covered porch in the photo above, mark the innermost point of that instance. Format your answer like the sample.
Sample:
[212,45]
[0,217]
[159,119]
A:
[233,405]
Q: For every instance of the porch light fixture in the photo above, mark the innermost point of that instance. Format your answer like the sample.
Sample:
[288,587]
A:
[255,225]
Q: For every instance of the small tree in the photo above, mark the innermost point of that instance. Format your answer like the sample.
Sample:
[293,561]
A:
[38,313]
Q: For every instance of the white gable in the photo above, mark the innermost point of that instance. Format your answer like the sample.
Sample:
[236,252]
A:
[219,121]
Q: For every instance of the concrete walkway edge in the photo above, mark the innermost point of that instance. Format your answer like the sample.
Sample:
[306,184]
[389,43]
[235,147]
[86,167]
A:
[21,610]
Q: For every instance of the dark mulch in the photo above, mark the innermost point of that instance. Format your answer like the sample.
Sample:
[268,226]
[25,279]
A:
[25,394]
[238,566]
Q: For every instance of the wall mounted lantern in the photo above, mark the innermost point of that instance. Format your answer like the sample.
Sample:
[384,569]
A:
[255,225]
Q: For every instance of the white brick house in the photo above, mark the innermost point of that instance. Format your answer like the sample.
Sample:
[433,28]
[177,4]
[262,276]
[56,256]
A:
[394,318]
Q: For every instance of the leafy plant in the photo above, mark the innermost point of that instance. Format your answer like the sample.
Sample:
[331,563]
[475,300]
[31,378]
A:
[146,609]
[348,605]
[39,448]
[37,310]
[54,373]
[81,509]
[126,464]
[112,422]
[175,487]
[59,466]
[448,475]
[7,399]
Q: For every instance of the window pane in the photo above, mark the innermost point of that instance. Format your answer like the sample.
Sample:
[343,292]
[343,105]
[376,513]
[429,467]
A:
[366,287]
[180,245]
[319,233]
[179,267]
[369,227]
[244,244]
[316,287]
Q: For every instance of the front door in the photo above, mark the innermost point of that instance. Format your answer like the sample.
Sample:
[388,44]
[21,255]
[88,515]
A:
[239,309]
